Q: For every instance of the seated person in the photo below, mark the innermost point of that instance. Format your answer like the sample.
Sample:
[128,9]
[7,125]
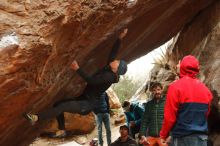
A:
[133,113]
[124,139]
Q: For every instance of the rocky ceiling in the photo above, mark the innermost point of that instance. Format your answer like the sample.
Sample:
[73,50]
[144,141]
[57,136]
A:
[39,40]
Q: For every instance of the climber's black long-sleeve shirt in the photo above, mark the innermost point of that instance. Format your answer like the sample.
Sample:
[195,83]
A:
[102,79]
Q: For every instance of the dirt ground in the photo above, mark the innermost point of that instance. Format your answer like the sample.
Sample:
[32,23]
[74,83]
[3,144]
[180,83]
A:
[83,140]
[79,140]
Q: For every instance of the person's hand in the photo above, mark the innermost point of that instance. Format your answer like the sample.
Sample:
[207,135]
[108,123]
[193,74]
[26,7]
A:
[144,140]
[163,141]
[168,139]
[75,65]
[123,33]
[132,123]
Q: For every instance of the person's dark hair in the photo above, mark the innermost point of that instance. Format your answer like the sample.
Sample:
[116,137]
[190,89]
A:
[214,115]
[215,95]
[124,127]
[126,103]
[156,84]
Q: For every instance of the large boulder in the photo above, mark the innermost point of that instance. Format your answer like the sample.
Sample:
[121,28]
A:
[39,40]
[113,99]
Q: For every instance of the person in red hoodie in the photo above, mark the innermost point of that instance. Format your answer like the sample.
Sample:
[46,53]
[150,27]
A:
[187,107]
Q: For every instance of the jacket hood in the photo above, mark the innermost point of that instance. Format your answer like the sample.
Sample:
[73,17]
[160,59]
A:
[189,66]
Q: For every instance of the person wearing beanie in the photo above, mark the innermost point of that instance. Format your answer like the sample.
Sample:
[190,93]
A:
[124,139]
[187,107]
[96,86]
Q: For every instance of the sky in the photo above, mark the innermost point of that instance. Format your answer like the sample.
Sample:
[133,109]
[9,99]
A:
[141,67]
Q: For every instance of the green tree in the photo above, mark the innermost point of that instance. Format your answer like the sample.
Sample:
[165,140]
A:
[126,88]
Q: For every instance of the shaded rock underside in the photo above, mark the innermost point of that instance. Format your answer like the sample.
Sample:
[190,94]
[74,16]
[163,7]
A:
[35,72]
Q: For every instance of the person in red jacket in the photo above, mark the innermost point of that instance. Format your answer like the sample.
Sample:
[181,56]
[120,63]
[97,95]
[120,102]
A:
[187,107]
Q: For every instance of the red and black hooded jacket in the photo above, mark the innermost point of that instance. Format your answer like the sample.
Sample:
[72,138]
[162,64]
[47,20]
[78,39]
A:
[187,104]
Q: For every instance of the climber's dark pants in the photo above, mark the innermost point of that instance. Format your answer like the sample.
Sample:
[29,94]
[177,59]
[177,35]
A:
[82,107]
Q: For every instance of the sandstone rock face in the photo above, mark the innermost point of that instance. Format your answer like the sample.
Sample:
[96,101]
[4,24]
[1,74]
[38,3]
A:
[199,38]
[202,39]
[72,122]
[39,40]
[113,99]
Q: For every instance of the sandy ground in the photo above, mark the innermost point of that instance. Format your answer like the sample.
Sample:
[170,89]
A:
[80,140]
[83,140]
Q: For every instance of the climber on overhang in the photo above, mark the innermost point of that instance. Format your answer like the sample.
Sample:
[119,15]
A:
[97,84]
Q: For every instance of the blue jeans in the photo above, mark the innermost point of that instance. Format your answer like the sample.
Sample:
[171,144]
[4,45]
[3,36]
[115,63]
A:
[191,140]
[105,118]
